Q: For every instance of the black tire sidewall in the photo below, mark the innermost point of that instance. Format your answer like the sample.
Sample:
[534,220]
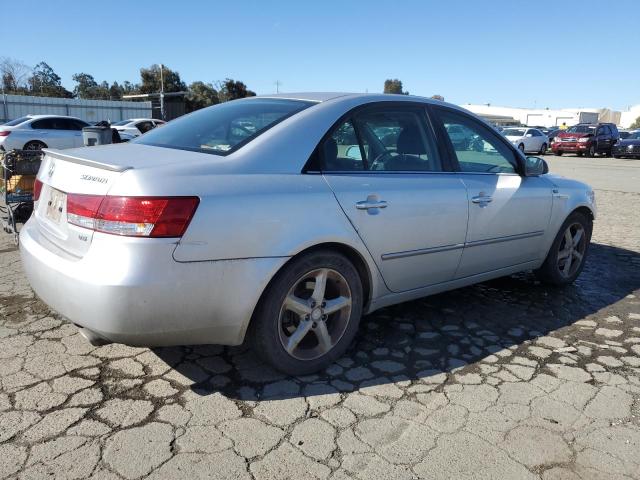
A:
[35,142]
[265,324]
[549,270]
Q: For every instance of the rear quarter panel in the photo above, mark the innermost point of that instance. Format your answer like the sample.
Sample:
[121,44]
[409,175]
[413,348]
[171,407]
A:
[250,215]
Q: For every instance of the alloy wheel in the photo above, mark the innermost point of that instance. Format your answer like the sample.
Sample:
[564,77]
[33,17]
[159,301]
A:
[571,250]
[315,314]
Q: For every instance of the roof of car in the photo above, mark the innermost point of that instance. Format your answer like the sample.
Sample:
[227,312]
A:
[326,96]
[50,116]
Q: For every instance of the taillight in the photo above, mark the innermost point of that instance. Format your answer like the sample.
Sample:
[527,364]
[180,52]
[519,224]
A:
[4,133]
[132,216]
[37,188]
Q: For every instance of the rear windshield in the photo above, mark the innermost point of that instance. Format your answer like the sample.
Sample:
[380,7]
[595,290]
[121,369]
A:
[121,123]
[222,128]
[17,121]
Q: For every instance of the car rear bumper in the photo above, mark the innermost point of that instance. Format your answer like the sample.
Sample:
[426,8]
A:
[132,291]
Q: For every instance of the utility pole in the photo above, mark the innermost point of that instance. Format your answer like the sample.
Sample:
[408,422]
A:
[277,84]
[161,92]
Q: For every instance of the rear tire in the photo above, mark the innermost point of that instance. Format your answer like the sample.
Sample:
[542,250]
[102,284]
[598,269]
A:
[543,149]
[35,145]
[295,327]
[579,154]
[566,260]
[521,147]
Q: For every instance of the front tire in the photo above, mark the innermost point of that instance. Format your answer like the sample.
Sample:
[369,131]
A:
[521,147]
[558,153]
[309,314]
[568,252]
[592,151]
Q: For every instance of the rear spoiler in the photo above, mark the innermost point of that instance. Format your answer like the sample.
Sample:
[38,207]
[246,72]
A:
[84,161]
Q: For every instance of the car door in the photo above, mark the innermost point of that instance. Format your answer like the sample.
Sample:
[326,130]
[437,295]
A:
[53,132]
[386,172]
[531,141]
[75,131]
[604,138]
[508,213]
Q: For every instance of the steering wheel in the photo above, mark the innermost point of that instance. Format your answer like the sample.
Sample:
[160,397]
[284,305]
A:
[377,163]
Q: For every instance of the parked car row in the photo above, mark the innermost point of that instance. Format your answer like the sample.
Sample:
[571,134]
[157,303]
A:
[35,132]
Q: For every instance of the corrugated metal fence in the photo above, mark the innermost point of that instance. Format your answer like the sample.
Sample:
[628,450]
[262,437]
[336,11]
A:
[15,106]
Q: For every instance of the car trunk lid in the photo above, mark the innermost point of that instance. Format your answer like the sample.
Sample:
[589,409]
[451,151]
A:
[62,174]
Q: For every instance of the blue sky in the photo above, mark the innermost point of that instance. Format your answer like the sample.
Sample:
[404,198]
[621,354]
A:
[515,53]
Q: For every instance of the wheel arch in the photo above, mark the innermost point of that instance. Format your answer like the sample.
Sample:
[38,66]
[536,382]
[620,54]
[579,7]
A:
[34,140]
[354,256]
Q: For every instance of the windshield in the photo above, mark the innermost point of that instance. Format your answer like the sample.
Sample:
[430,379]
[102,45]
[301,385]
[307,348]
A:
[634,135]
[582,129]
[17,121]
[121,123]
[513,132]
[222,128]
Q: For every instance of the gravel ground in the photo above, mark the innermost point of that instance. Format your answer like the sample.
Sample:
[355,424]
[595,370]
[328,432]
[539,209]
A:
[506,379]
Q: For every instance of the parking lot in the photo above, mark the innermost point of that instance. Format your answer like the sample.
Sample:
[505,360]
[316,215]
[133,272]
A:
[506,379]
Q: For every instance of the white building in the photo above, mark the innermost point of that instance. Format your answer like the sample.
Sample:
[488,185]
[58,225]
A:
[630,116]
[543,117]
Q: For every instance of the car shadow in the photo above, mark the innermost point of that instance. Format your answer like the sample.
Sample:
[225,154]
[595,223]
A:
[420,339]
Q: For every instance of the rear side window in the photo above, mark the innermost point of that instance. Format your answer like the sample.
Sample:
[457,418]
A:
[223,128]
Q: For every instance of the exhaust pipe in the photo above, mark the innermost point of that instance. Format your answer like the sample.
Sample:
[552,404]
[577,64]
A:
[93,338]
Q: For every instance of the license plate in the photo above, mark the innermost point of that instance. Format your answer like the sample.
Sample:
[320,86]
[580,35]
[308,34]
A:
[55,205]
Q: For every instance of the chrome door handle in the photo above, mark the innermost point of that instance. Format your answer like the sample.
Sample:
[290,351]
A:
[367,204]
[482,199]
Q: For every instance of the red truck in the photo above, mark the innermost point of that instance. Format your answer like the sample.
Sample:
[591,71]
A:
[586,139]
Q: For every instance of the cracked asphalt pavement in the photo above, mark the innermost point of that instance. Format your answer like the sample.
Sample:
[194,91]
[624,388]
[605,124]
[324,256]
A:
[506,379]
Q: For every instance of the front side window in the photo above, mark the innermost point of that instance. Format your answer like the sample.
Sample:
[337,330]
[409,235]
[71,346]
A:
[381,139]
[145,126]
[44,124]
[477,148]
[222,128]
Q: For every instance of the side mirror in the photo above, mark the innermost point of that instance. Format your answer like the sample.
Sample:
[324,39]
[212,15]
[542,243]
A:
[529,135]
[535,166]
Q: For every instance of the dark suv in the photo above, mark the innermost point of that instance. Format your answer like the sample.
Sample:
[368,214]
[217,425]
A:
[587,139]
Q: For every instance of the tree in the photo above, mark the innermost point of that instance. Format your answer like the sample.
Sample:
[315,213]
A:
[13,76]
[86,85]
[438,97]
[201,95]
[394,86]
[230,89]
[47,83]
[150,80]
[635,124]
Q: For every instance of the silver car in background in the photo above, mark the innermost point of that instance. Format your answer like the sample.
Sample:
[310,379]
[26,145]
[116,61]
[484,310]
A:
[283,219]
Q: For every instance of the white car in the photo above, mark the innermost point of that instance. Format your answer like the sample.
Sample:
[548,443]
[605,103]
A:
[134,127]
[527,139]
[35,132]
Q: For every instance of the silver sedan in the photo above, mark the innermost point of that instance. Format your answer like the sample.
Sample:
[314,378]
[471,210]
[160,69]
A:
[284,219]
